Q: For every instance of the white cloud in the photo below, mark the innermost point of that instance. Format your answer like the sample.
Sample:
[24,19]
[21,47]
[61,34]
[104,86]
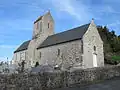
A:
[75,8]
[115,24]
[7,51]
[108,9]
[8,46]
[24,5]
[16,24]
[21,14]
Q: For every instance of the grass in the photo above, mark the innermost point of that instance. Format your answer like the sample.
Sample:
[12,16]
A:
[116,58]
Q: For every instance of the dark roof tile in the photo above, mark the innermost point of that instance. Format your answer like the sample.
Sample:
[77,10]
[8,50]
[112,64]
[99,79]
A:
[23,46]
[70,35]
[38,19]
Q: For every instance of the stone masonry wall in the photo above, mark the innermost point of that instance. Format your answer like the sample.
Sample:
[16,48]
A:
[41,35]
[90,39]
[19,56]
[69,54]
[58,79]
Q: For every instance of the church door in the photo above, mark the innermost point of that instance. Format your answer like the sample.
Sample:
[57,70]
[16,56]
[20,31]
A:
[94,60]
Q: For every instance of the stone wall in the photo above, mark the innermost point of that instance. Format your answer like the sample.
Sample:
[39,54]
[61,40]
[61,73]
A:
[57,79]
[19,56]
[69,54]
[90,39]
[41,35]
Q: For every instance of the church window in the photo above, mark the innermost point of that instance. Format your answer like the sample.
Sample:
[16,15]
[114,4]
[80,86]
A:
[48,25]
[36,64]
[94,48]
[58,52]
[40,54]
[81,46]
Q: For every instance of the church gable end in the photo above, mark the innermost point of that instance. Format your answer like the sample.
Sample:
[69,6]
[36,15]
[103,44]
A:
[92,46]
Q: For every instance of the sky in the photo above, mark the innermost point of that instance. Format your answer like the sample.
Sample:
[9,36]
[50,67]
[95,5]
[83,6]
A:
[17,17]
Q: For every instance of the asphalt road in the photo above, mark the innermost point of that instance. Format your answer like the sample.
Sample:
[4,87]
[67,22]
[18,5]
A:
[113,84]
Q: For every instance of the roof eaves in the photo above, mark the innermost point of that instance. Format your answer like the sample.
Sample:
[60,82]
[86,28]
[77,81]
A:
[58,43]
[38,19]
[20,50]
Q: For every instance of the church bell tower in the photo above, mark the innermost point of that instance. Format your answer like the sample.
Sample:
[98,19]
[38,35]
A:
[43,26]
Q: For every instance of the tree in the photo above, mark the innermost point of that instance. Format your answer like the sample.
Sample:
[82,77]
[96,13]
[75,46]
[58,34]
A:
[21,67]
[111,42]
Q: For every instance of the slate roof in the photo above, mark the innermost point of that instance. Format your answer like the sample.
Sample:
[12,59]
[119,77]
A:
[66,36]
[70,35]
[23,46]
[38,19]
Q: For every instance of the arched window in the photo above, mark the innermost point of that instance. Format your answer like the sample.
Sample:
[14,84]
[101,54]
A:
[58,52]
[48,25]
[40,54]
[94,48]
[36,64]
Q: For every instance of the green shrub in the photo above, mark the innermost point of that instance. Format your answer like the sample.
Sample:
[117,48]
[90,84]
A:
[113,60]
[116,58]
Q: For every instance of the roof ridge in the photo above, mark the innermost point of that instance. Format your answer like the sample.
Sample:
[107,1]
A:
[69,29]
[63,37]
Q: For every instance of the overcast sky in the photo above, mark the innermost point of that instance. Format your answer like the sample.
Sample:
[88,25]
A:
[17,17]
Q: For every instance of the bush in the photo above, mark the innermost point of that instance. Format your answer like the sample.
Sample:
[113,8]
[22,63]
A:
[116,58]
[113,60]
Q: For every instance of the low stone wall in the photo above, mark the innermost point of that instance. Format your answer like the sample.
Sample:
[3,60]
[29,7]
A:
[43,81]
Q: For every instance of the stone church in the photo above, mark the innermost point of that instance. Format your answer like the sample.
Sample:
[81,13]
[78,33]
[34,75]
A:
[80,47]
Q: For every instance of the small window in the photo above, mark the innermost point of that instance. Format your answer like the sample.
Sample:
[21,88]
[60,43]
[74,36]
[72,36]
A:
[48,25]
[36,64]
[58,52]
[40,54]
[94,48]
[82,48]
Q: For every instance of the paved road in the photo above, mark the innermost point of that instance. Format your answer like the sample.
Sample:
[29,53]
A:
[113,84]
